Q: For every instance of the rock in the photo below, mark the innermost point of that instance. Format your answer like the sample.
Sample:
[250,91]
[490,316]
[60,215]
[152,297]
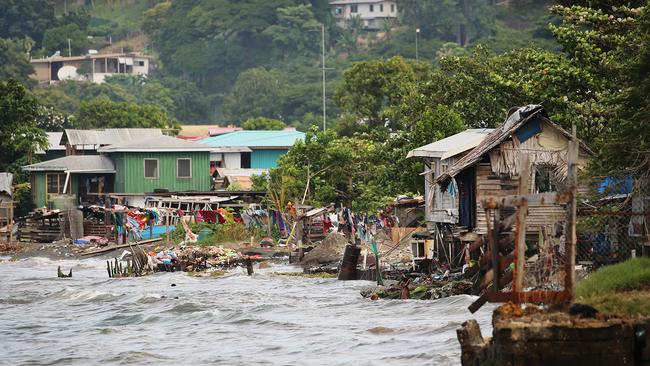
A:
[330,250]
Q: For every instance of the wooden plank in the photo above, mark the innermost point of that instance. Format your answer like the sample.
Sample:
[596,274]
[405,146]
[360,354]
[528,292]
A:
[494,245]
[503,282]
[520,226]
[531,199]
[120,246]
[572,182]
[533,297]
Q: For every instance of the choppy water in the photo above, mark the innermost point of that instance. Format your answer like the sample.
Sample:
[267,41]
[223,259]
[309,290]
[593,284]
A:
[237,320]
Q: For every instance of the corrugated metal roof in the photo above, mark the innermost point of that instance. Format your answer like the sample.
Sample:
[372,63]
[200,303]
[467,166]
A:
[75,164]
[107,136]
[511,124]
[223,172]
[452,145]
[253,139]
[6,180]
[157,143]
[53,140]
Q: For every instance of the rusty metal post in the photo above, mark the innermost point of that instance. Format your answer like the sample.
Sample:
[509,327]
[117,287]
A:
[520,234]
[494,247]
[572,184]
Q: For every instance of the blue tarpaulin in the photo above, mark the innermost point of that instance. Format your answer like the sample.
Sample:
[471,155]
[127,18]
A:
[611,185]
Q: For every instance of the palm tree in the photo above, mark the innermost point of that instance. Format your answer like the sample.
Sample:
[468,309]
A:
[387,26]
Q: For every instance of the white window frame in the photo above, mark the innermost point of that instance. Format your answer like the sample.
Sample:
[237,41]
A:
[354,9]
[177,175]
[392,8]
[371,8]
[144,168]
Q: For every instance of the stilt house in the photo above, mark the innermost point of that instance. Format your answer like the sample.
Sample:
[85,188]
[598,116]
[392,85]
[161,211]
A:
[492,169]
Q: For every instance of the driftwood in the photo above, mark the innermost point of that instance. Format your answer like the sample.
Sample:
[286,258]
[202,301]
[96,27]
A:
[111,248]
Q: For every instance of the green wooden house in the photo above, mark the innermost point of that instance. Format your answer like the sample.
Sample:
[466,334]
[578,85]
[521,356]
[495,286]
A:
[137,167]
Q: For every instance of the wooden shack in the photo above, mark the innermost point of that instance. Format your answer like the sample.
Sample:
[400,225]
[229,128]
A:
[492,169]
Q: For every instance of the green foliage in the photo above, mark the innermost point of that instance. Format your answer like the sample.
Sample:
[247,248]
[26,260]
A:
[103,113]
[19,133]
[22,196]
[14,60]
[296,31]
[178,98]
[261,123]
[255,94]
[56,39]
[26,18]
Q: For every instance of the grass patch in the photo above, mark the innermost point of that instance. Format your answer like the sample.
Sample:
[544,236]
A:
[620,289]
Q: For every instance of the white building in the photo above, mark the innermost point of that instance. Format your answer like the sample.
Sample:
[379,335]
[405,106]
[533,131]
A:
[91,67]
[371,12]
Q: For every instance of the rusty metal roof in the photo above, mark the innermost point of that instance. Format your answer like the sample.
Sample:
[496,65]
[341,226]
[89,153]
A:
[511,124]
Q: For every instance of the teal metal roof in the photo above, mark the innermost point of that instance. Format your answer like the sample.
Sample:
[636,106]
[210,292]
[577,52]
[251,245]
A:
[253,139]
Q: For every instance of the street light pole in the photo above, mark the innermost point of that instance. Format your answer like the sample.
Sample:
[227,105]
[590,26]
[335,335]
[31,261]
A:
[322,34]
[417,35]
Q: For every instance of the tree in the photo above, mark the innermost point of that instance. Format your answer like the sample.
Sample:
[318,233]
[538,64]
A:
[26,18]
[255,94]
[56,39]
[103,113]
[19,133]
[262,123]
[296,31]
[457,20]
[371,88]
[14,60]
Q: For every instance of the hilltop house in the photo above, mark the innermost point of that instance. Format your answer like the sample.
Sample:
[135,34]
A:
[491,169]
[91,67]
[372,13]
[441,206]
[128,161]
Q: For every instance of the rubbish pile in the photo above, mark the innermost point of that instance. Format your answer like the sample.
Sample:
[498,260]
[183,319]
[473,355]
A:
[425,287]
[328,251]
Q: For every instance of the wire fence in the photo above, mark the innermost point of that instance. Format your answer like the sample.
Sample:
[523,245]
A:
[613,220]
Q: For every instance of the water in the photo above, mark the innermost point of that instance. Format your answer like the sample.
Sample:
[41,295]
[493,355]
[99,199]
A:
[236,320]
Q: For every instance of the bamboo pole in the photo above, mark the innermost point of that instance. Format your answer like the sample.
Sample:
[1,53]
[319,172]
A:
[520,234]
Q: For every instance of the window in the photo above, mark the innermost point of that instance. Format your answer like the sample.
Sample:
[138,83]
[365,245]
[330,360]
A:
[245,160]
[184,168]
[151,169]
[381,8]
[354,8]
[392,8]
[139,63]
[371,7]
[54,185]
[545,179]
[338,10]
[417,247]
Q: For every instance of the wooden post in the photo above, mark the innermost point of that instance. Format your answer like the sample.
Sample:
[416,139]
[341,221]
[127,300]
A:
[150,229]
[494,247]
[572,184]
[167,218]
[520,234]
[10,221]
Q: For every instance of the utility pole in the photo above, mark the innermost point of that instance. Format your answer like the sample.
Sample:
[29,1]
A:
[322,34]
[69,49]
[417,35]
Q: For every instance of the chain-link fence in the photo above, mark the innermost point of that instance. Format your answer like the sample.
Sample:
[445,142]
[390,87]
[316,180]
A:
[613,220]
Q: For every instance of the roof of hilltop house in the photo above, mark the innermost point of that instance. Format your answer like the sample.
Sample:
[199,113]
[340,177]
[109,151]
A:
[344,2]
[205,130]
[75,164]
[157,143]
[256,139]
[452,145]
[107,136]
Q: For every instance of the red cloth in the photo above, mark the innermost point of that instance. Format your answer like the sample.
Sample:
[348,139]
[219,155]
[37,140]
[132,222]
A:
[209,216]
